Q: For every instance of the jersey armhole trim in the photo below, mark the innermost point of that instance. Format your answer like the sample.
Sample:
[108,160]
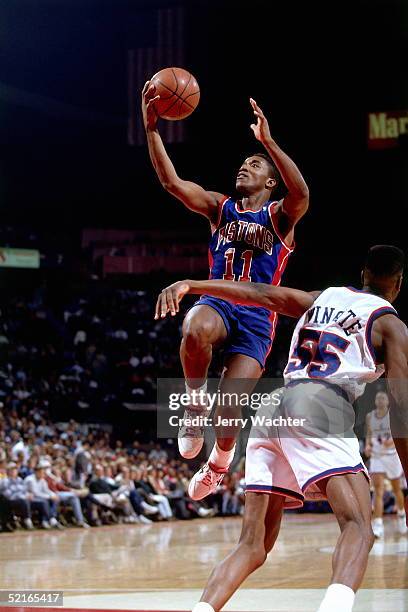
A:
[383,310]
[290,248]
[216,225]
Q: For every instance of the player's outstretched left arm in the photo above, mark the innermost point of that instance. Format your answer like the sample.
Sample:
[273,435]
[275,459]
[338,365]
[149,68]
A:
[296,202]
[290,302]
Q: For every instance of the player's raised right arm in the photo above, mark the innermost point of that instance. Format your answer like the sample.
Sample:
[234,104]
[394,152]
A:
[192,195]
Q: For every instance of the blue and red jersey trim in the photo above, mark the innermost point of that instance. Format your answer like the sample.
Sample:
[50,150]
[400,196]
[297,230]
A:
[334,472]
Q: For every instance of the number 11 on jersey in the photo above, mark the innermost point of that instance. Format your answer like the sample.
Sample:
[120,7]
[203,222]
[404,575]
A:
[245,275]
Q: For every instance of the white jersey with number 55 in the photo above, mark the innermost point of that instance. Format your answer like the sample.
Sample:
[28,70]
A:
[332,340]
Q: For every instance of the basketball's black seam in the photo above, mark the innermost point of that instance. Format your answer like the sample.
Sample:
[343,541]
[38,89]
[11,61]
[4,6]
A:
[168,88]
[189,96]
[176,79]
[187,84]
[178,96]
[174,93]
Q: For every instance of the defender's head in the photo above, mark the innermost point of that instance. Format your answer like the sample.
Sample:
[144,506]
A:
[383,269]
[257,173]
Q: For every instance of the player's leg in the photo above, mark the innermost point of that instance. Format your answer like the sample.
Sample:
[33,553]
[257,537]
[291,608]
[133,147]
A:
[349,498]
[240,376]
[260,528]
[378,484]
[400,502]
[203,328]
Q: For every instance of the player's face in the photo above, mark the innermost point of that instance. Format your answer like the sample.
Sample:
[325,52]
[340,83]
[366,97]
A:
[254,176]
[381,401]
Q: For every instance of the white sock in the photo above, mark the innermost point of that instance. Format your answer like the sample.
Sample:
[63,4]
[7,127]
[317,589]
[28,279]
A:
[220,458]
[338,598]
[378,521]
[203,607]
[401,513]
[198,398]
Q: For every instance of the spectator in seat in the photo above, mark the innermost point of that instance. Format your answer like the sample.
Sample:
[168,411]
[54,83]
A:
[21,501]
[158,453]
[19,446]
[65,494]
[104,491]
[89,502]
[37,485]
[144,482]
[127,485]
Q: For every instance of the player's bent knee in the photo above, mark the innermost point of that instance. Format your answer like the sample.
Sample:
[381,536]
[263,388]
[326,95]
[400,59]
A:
[255,554]
[196,334]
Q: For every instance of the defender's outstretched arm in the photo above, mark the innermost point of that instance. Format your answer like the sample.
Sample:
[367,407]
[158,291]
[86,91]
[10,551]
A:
[290,302]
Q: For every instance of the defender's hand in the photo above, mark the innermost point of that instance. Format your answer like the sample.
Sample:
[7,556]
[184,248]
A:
[169,299]
[261,128]
[150,116]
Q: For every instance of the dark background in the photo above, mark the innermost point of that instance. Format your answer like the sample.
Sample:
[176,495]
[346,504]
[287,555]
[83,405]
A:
[316,70]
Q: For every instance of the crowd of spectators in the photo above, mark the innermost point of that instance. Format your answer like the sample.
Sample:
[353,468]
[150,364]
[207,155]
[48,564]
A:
[85,355]
[53,475]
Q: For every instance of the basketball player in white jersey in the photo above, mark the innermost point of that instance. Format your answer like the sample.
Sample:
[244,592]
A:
[341,338]
[384,462]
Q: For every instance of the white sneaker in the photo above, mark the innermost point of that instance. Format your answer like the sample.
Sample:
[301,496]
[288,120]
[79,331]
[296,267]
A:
[191,437]
[45,525]
[131,519]
[54,523]
[205,482]
[84,525]
[149,509]
[145,520]
[205,512]
[401,525]
[28,523]
[378,528]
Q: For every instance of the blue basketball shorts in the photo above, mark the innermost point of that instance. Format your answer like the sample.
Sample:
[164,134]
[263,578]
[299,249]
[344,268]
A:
[250,329]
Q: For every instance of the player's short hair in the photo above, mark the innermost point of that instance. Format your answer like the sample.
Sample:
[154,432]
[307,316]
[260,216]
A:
[274,171]
[385,260]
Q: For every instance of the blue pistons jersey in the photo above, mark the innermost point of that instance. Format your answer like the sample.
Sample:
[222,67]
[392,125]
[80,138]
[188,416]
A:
[246,246]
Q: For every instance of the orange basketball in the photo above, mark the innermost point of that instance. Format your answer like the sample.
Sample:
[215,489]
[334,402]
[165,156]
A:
[179,93]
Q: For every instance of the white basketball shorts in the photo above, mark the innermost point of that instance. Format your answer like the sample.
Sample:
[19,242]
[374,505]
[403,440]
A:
[390,465]
[288,463]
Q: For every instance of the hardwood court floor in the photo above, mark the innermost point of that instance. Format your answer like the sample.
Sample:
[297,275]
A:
[178,557]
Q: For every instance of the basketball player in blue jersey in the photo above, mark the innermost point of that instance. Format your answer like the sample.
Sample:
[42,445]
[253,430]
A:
[344,338]
[252,238]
